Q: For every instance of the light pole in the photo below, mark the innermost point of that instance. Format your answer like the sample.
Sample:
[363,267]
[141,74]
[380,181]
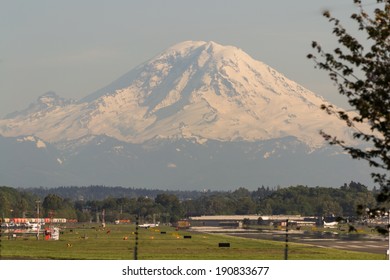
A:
[286,247]
[38,222]
[388,229]
[136,238]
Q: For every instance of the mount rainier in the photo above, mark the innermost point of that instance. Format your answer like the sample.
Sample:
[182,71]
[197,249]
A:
[198,115]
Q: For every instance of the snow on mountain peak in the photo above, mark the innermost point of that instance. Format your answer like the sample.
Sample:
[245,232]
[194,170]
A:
[49,99]
[38,142]
[183,48]
[193,90]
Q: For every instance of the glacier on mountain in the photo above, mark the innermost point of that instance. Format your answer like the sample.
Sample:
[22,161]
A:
[197,114]
[193,90]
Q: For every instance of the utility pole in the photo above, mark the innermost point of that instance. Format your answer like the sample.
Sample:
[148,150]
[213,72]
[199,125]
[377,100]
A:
[388,229]
[136,238]
[1,232]
[38,222]
[104,218]
[286,248]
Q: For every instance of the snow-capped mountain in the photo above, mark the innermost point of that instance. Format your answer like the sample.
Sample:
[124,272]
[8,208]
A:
[199,108]
[194,90]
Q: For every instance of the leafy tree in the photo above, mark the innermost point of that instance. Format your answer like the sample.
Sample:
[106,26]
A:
[167,200]
[319,201]
[245,206]
[361,72]
[16,203]
[52,202]
[55,206]
[6,201]
[171,205]
[241,192]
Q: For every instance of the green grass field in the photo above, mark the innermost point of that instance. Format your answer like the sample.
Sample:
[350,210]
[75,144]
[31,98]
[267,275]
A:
[117,242]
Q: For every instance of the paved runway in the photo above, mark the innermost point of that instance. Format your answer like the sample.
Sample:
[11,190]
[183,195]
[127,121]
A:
[365,245]
[377,245]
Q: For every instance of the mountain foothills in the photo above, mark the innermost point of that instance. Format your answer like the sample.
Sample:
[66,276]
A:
[197,115]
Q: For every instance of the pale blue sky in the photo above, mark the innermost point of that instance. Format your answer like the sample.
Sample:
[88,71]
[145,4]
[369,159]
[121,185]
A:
[75,47]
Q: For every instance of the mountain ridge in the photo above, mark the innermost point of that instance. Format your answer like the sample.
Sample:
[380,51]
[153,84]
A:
[179,164]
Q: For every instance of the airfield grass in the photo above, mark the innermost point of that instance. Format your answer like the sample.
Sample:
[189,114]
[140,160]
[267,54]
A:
[117,242]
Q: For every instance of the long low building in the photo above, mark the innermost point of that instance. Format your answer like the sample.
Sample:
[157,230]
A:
[33,220]
[238,220]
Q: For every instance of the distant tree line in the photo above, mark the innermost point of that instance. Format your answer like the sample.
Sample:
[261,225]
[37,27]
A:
[169,206]
[344,201]
[102,192]
[16,203]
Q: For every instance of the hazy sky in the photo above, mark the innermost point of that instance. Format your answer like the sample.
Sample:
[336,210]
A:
[75,47]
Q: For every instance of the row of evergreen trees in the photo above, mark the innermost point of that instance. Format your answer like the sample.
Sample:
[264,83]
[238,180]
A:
[168,206]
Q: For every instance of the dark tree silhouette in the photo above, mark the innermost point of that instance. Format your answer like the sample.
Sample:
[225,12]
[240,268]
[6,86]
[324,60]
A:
[361,71]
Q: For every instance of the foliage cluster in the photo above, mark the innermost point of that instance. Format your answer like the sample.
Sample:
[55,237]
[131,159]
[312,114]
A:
[166,207]
[16,203]
[360,70]
[319,201]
